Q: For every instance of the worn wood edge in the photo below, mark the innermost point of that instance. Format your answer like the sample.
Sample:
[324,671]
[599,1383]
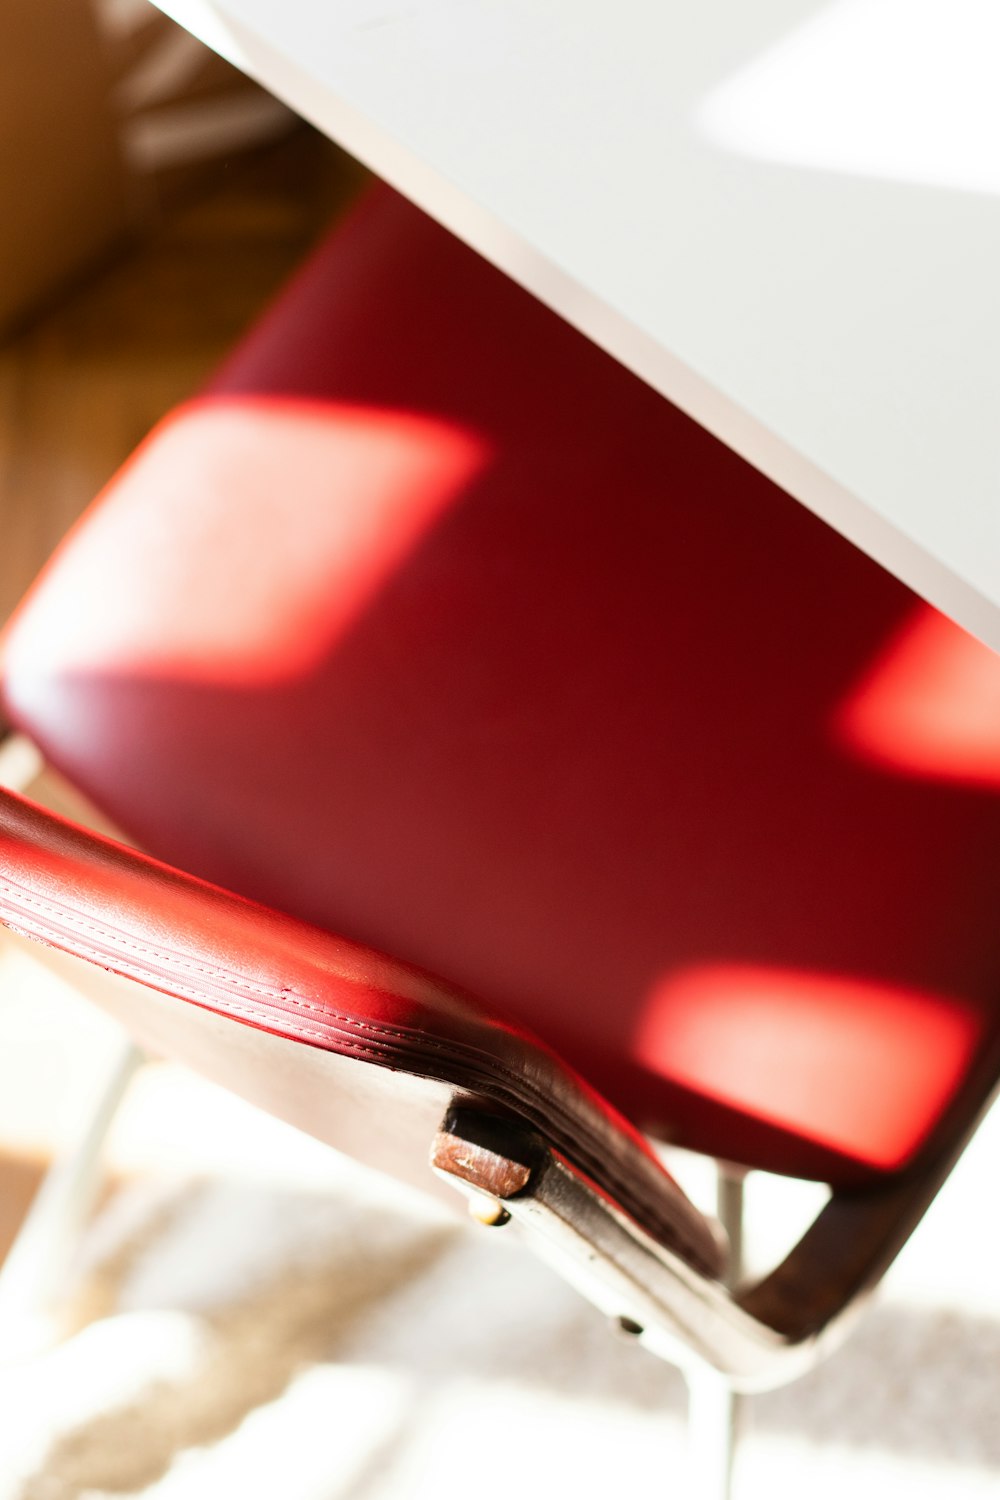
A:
[490,1154]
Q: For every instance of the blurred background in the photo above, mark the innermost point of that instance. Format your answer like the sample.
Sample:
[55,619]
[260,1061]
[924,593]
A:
[248,1313]
[152,199]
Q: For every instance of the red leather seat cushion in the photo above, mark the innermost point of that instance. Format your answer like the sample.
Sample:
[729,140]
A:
[430,624]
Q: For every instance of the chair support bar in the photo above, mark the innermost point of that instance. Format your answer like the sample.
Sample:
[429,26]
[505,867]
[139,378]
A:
[853,1241]
[673,1308]
[757,1336]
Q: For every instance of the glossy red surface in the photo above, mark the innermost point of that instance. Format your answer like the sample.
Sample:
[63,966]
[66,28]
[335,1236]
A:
[929,706]
[429,624]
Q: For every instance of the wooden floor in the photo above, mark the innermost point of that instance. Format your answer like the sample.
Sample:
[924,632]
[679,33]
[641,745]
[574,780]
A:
[89,377]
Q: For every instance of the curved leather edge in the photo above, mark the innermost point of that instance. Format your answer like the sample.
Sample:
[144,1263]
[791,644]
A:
[103,902]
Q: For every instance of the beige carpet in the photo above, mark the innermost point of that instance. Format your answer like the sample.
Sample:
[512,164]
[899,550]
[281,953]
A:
[251,1316]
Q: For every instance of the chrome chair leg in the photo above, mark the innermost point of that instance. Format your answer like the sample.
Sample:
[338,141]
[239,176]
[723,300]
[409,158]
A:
[715,1410]
[34,1267]
[33,1270]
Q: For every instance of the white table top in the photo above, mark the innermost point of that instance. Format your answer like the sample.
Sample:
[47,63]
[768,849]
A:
[785,215]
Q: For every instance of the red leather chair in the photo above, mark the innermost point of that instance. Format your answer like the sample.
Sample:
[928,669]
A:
[429,642]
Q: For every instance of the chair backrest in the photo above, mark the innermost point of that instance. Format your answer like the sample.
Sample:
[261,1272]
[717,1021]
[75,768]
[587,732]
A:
[431,624]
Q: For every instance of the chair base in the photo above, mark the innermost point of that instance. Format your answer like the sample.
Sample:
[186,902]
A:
[715,1411]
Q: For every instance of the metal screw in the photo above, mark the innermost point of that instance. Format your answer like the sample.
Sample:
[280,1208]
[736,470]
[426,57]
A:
[488,1211]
